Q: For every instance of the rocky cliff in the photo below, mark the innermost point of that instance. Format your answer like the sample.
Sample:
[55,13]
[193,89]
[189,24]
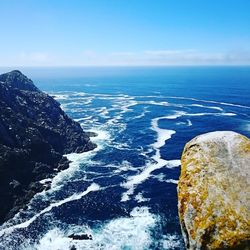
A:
[214,192]
[34,135]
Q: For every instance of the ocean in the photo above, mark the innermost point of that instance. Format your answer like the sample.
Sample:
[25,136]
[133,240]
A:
[124,193]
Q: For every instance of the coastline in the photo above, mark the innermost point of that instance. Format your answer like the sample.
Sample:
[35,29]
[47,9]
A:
[35,134]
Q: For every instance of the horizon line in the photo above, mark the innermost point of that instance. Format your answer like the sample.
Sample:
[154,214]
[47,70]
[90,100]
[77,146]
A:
[127,66]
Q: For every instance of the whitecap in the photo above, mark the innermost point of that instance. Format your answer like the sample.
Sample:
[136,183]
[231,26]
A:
[133,232]
[139,198]
[104,112]
[44,181]
[171,241]
[102,136]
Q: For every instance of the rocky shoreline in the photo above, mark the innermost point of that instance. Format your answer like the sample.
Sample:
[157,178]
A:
[34,135]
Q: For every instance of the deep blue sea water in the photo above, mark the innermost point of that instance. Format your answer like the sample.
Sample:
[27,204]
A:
[124,192]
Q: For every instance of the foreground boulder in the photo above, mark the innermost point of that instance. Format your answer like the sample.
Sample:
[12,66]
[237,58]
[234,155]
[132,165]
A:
[214,191]
[34,135]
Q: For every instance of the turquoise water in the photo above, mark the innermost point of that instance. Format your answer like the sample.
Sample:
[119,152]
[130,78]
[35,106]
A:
[124,192]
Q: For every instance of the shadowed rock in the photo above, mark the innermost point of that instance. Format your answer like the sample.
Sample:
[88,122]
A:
[34,135]
[81,236]
[214,191]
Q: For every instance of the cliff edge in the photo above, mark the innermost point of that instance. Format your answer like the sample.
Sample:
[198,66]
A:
[34,135]
[214,191]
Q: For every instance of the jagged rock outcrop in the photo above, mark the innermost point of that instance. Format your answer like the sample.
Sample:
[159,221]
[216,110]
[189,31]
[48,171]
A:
[34,135]
[214,191]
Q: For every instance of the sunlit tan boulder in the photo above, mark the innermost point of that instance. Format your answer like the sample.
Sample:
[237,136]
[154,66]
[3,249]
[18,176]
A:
[214,191]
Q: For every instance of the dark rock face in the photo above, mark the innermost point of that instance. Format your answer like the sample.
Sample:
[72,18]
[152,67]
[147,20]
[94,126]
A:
[15,79]
[34,134]
[81,237]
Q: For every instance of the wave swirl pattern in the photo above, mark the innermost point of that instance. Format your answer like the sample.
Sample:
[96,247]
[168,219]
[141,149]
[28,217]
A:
[123,193]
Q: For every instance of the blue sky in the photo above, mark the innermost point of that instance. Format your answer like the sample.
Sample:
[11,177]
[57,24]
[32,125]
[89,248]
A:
[124,32]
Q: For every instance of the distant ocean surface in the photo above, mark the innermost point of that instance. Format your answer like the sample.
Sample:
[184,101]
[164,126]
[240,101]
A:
[124,192]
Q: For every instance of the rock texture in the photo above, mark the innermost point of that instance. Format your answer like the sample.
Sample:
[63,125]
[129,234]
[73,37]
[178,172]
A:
[214,192]
[34,135]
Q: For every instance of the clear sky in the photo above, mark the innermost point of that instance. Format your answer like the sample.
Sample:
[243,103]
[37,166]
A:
[124,32]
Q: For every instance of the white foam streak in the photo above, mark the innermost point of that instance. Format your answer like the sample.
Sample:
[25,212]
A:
[84,118]
[133,181]
[76,196]
[59,97]
[154,103]
[172,181]
[162,136]
[213,114]
[79,101]
[214,107]
[76,159]
[209,101]
[208,107]
[141,115]
[124,167]
[189,123]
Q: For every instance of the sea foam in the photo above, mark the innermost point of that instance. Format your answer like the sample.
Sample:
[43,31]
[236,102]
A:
[159,162]
[133,232]
[76,196]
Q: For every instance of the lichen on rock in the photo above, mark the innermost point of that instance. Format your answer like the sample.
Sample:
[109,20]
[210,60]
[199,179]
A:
[214,191]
